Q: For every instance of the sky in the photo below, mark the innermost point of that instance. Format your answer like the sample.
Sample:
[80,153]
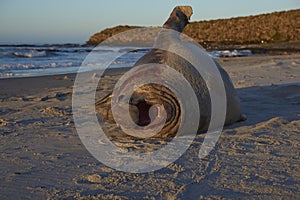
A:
[74,21]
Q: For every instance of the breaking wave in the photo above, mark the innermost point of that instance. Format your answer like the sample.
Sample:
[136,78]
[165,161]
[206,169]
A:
[30,54]
[46,60]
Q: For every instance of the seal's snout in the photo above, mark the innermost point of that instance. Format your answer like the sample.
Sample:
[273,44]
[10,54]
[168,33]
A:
[179,18]
[186,10]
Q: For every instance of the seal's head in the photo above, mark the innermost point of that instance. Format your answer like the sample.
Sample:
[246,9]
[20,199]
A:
[179,18]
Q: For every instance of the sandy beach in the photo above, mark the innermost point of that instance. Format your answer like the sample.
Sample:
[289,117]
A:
[42,156]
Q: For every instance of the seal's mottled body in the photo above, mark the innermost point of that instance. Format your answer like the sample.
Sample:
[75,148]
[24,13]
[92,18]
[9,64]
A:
[151,94]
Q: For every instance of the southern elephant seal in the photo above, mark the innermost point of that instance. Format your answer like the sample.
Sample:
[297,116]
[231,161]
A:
[152,94]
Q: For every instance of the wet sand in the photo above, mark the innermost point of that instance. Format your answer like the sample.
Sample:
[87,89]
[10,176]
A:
[43,157]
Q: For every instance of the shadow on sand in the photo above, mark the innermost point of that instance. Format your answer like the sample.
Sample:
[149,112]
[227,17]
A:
[261,103]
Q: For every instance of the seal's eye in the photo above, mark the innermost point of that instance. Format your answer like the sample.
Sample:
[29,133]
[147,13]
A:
[120,97]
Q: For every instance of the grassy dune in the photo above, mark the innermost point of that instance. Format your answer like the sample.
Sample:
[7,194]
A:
[277,27]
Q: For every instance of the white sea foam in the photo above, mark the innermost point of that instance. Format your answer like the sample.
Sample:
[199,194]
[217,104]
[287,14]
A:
[30,54]
[230,53]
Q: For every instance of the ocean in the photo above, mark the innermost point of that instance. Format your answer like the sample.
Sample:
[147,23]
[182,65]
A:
[31,60]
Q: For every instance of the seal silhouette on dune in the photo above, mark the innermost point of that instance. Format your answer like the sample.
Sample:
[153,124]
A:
[151,94]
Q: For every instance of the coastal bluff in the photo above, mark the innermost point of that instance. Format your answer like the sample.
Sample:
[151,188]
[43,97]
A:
[274,27]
